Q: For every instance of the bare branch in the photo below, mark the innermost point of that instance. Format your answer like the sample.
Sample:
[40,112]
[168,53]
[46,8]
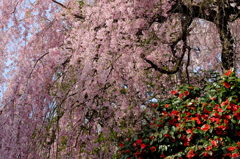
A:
[41,57]
[62,5]
[65,7]
[15,8]
[164,70]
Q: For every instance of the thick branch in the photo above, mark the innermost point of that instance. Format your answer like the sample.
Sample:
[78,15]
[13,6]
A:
[225,37]
[193,11]
[220,13]
[185,22]
[163,70]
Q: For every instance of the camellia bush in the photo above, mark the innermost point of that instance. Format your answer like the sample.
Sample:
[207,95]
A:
[194,123]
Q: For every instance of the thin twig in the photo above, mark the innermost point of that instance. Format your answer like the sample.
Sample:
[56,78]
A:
[62,5]
[41,57]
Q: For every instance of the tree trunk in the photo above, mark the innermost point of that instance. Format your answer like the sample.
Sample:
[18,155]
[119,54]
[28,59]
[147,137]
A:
[227,41]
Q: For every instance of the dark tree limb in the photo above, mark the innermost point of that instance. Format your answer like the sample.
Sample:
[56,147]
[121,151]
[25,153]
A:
[234,13]
[65,7]
[164,70]
[35,64]
[220,13]
[185,22]
[60,4]
[15,8]
[193,11]
[226,38]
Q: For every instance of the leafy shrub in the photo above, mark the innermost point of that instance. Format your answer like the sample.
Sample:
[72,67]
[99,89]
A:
[194,123]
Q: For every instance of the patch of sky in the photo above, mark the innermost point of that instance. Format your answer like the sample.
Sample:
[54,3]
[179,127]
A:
[219,57]
[196,69]
[153,100]
[125,86]
[149,94]
[143,107]
[90,2]
[51,112]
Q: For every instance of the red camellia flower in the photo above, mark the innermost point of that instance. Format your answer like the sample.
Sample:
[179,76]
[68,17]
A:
[162,155]
[222,127]
[235,155]
[186,143]
[174,112]
[127,151]
[190,154]
[213,119]
[228,73]
[205,127]
[228,116]
[167,135]
[219,110]
[225,103]
[234,107]
[167,105]
[121,145]
[142,146]
[226,121]
[214,143]
[196,119]
[154,105]
[186,93]
[177,125]
[174,92]
[205,154]
[139,141]
[153,148]
[136,154]
[180,96]
[228,154]
[204,116]
[227,85]
[231,148]
[216,114]
[209,148]
[189,131]
[152,137]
